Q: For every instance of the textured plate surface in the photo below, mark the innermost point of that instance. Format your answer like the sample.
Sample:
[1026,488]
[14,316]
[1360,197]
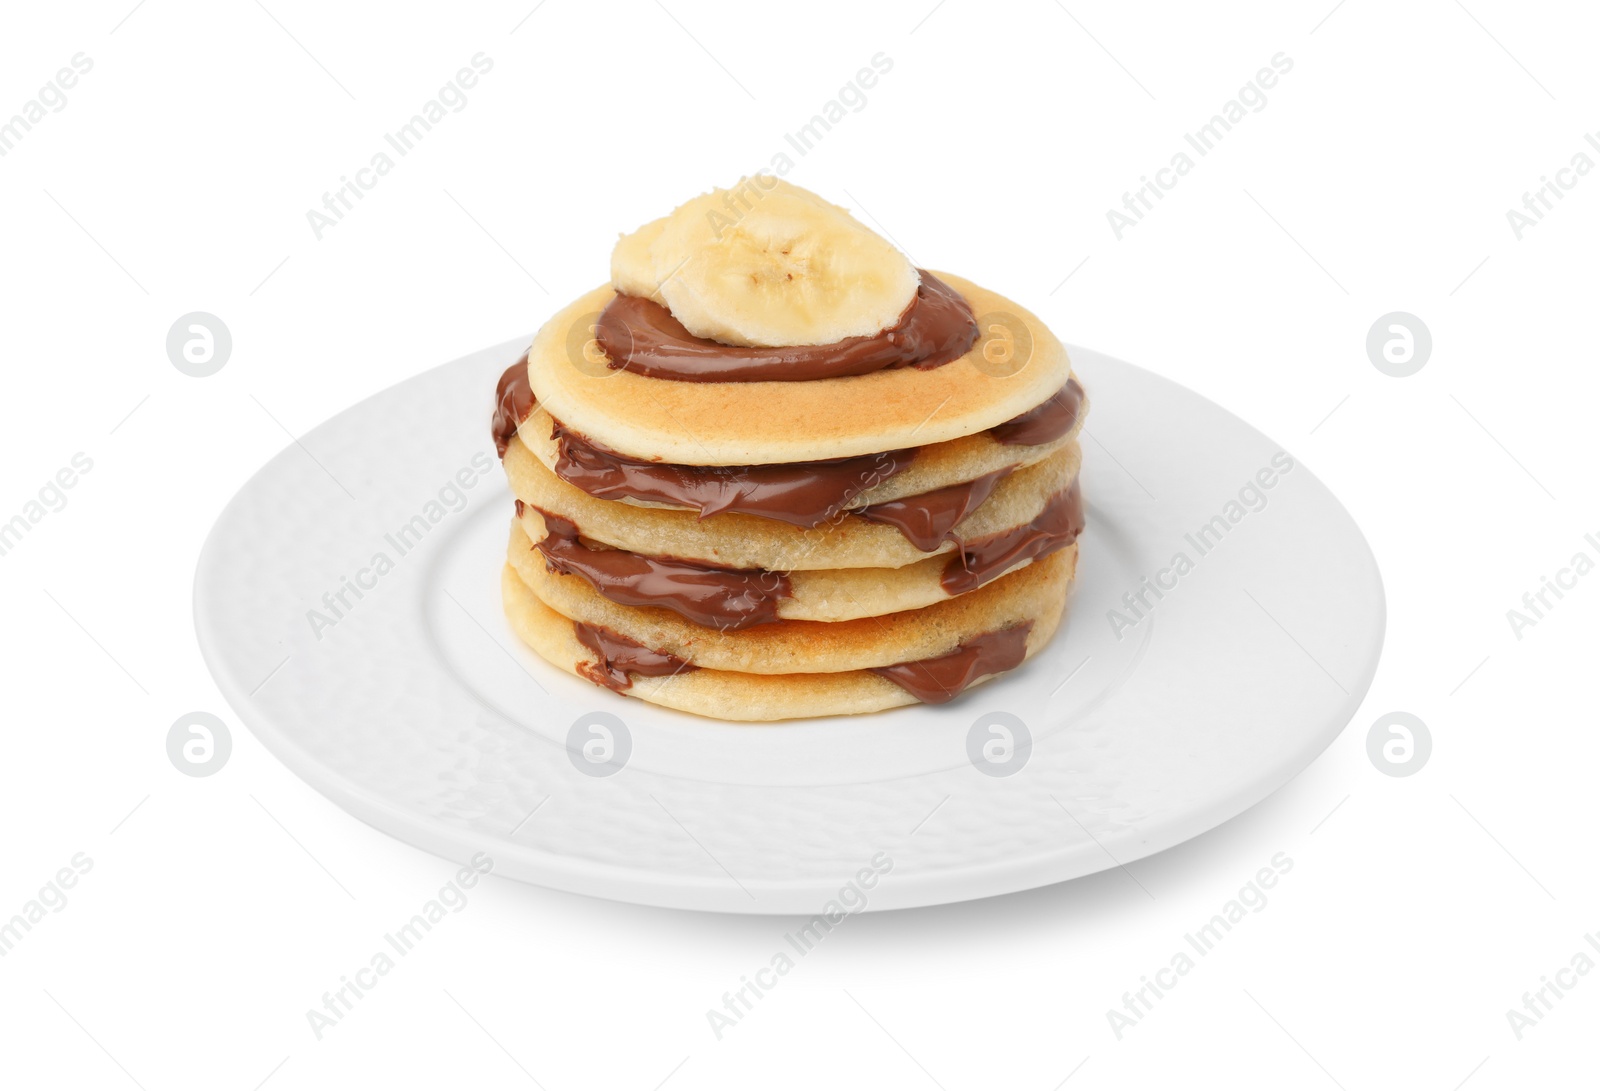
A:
[1221,634]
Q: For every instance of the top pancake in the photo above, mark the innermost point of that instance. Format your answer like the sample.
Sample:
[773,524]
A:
[739,424]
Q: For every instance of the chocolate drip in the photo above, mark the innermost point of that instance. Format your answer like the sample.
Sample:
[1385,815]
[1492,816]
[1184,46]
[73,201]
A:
[619,657]
[806,494]
[1045,423]
[942,678]
[926,519]
[720,598]
[513,401]
[982,559]
[641,336]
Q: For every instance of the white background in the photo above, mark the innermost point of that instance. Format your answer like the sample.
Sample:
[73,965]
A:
[1376,179]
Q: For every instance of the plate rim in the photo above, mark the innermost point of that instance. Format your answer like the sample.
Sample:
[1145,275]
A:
[639,885]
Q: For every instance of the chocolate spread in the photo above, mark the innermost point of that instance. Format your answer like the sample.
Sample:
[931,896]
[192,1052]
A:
[926,519]
[619,657]
[513,401]
[720,598]
[1046,422]
[981,559]
[942,678]
[641,336]
[806,494]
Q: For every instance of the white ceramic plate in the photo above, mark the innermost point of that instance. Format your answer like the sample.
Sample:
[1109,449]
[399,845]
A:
[414,708]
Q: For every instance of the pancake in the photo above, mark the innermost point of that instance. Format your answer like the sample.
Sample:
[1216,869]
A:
[820,481]
[935,465]
[837,594]
[789,647]
[760,423]
[735,540]
[726,695]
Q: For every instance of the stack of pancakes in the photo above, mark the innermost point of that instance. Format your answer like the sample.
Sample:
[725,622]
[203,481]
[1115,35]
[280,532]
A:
[758,533]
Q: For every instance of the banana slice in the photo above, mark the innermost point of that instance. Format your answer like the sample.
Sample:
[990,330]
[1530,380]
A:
[632,272]
[766,264]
